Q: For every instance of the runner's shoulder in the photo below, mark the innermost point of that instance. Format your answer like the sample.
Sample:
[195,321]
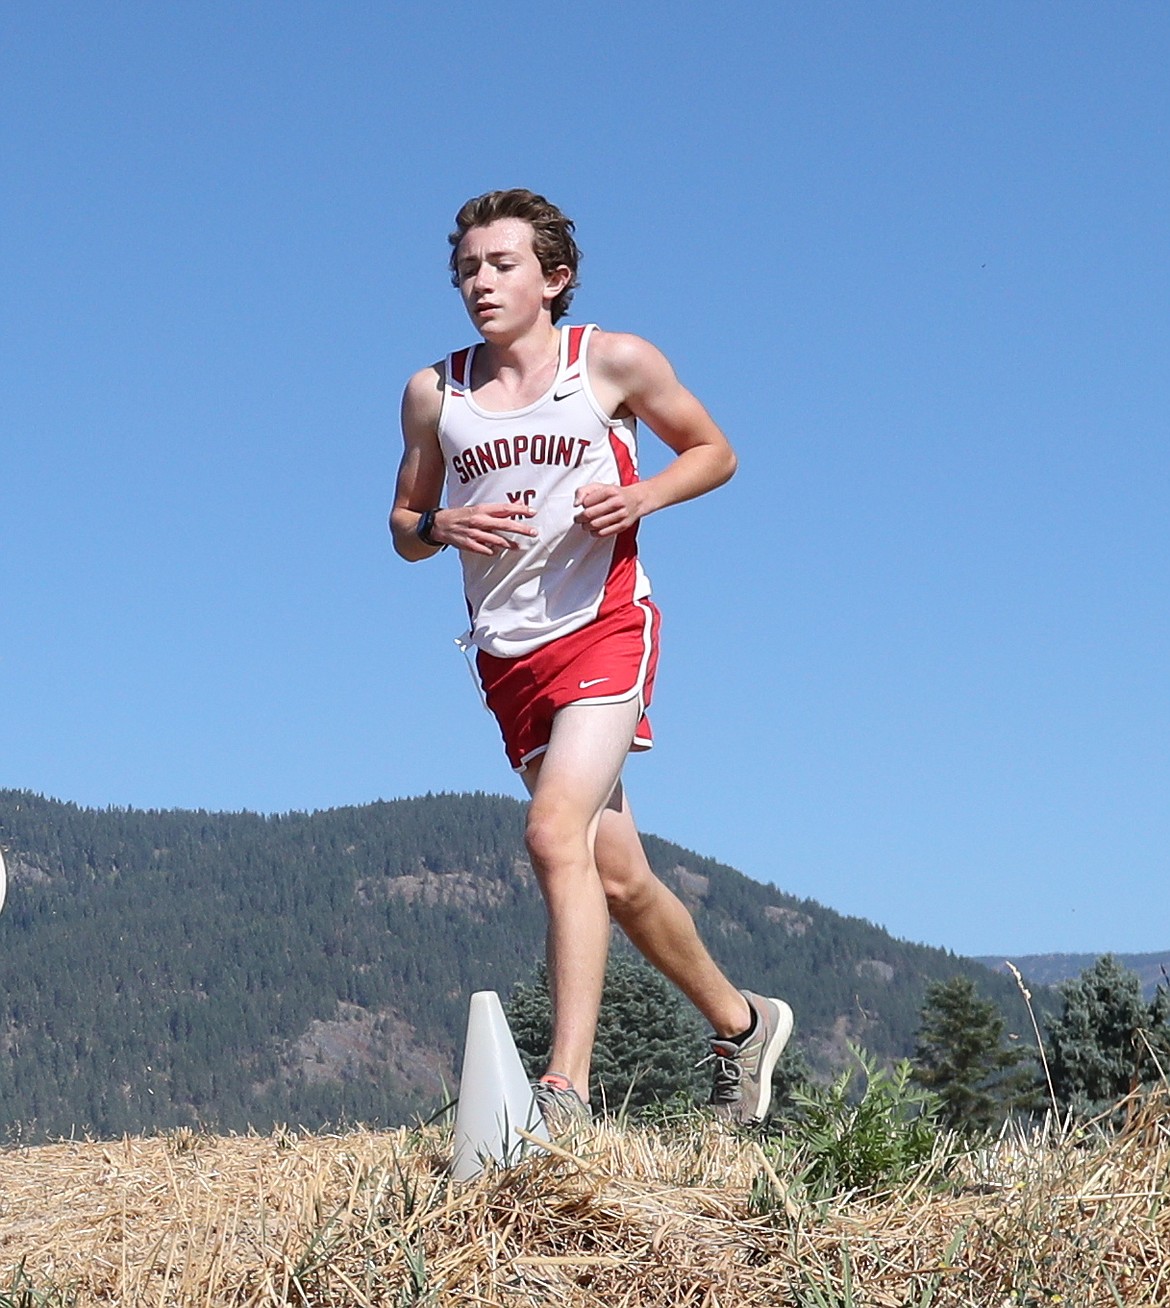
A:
[427,380]
[627,361]
[423,397]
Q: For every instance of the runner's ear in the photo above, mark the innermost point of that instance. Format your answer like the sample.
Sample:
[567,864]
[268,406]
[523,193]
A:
[556,281]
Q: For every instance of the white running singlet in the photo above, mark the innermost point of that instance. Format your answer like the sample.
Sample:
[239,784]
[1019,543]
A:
[563,578]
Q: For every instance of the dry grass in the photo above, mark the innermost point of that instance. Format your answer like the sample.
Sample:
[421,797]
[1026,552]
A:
[687,1216]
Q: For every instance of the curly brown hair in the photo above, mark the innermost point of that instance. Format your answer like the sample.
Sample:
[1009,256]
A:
[552,234]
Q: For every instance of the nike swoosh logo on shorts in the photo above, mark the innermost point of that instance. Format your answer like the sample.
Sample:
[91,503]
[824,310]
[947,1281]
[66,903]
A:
[584,685]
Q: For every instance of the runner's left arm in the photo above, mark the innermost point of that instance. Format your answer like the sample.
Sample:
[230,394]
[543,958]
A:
[637,378]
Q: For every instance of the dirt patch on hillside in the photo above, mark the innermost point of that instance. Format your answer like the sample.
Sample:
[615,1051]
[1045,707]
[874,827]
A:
[360,1043]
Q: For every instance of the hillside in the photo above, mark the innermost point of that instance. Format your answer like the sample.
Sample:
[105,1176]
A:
[231,970]
[1051,969]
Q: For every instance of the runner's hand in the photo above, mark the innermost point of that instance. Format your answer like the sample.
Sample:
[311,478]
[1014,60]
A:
[483,528]
[606,510]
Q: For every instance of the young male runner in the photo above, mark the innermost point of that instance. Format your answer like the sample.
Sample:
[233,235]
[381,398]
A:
[532,435]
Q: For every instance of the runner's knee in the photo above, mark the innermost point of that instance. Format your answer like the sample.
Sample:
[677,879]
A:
[554,834]
[626,876]
[626,893]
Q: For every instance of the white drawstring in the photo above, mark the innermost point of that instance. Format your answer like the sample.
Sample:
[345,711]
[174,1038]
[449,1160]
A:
[465,646]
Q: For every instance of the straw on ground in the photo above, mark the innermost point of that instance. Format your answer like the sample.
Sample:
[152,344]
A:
[685,1216]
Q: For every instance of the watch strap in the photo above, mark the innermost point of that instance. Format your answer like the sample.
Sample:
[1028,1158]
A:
[423,530]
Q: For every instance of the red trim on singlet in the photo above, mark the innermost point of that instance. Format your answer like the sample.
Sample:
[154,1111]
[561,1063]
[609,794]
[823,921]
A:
[627,473]
[576,335]
[621,582]
[458,375]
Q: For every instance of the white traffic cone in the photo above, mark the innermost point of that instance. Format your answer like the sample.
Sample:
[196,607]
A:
[494,1095]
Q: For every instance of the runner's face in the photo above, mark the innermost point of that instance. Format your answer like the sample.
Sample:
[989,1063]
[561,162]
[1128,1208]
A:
[503,286]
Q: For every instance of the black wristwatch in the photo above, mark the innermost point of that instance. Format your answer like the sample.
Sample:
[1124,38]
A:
[423,530]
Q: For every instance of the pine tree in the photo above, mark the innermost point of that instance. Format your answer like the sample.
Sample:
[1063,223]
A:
[1108,1040]
[1158,1034]
[648,1038]
[962,1057]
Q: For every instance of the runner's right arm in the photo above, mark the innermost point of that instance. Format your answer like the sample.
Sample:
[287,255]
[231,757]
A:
[479,528]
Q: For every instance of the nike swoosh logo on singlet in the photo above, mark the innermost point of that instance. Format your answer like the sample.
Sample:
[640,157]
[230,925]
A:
[564,395]
[584,685]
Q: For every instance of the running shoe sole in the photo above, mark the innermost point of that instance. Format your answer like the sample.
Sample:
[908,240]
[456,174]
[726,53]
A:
[778,1021]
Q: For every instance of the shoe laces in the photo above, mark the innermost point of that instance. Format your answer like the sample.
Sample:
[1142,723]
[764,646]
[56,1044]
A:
[557,1094]
[728,1073]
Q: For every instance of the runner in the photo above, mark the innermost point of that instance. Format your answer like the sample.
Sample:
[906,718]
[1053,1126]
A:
[531,434]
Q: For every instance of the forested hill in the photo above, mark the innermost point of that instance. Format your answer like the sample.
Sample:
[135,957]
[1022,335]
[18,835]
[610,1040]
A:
[236,970]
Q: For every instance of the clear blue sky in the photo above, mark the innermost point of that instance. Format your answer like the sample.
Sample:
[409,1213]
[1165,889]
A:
[912,256]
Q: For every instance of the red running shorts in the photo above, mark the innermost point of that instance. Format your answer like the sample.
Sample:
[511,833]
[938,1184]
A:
[607,661]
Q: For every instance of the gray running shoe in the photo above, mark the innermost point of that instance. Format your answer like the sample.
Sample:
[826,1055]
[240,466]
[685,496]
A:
[560,1105]
[742,1088]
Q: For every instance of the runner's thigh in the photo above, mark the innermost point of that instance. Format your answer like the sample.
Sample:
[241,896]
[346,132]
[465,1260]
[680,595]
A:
[585,755]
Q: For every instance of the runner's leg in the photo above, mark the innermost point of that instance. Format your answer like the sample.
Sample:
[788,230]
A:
[658,923]
[570,784]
